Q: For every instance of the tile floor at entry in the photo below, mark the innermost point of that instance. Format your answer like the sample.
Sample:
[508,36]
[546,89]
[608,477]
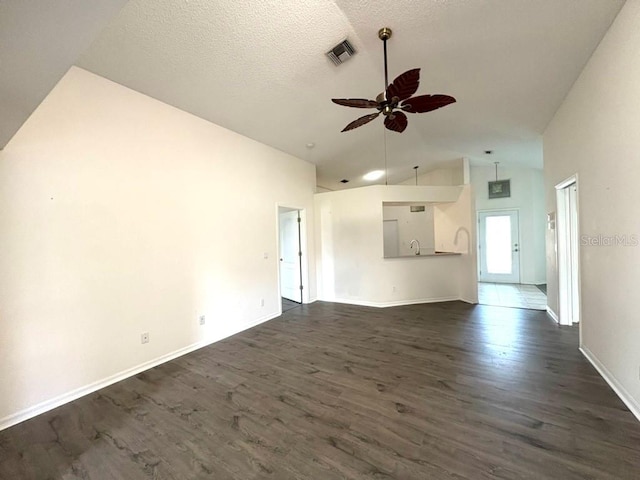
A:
[511,295]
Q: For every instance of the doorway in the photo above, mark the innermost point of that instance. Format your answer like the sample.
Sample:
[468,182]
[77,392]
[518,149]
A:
[499,263]
[568,252]
[498,247]
[290,257]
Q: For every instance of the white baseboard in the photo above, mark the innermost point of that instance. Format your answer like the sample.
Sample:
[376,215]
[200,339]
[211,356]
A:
[472,302]
[395,303]
[55,402]
[553,314]
[616,386]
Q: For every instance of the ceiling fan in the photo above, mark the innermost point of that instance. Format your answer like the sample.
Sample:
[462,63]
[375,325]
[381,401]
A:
[396,97]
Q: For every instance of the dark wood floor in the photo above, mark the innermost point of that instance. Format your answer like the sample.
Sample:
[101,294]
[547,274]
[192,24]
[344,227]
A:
[327,391]
[288,305]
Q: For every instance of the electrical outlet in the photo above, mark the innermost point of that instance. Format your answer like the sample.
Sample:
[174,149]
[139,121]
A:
[393,289]
[202,319]
[262,302]
[144,337]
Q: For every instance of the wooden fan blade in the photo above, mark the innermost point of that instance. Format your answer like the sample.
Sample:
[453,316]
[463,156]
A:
[398,123]
[405,85]
[426,103]
[355,102]
[361,121]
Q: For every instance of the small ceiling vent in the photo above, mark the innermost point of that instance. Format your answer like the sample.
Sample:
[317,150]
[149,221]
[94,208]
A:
[341,52]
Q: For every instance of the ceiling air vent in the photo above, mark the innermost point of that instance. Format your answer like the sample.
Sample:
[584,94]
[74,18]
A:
[341,52]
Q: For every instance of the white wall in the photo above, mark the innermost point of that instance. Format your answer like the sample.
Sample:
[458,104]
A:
[350,248]
[528,197]
[119,215]
[596,134]
[454,173]
[412,225]
[455,231]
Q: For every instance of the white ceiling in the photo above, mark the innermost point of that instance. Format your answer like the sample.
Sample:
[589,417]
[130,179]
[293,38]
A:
[258,68]
[39,42]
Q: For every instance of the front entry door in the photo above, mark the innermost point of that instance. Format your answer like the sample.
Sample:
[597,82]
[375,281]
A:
[499,247]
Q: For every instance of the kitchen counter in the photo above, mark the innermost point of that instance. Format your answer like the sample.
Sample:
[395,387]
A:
[426,254]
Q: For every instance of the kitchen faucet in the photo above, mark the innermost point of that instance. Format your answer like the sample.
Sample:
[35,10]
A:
[417,245]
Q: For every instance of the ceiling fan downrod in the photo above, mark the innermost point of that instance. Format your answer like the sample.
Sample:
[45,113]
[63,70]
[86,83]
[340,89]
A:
[386,104]
[384,34]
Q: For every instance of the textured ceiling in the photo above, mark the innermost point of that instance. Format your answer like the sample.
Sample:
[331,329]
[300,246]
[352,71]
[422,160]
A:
[258,68]
[39,41]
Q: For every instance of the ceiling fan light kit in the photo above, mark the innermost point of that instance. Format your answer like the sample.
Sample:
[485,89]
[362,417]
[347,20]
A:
[396,98]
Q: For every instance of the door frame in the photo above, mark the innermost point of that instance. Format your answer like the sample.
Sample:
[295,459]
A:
[303,242]
[568,254]
[479,238]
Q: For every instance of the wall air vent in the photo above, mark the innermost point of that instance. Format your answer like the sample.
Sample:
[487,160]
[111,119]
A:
[341,52]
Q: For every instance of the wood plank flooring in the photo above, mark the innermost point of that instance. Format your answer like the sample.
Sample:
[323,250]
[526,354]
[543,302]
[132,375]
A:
[288,304]
[330,391]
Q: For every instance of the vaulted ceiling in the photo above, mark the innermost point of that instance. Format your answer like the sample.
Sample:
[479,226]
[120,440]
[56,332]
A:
[259,68]
[39,42]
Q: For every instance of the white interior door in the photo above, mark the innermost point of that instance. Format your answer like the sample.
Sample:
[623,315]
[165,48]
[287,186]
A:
[290,256]
[499,247]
